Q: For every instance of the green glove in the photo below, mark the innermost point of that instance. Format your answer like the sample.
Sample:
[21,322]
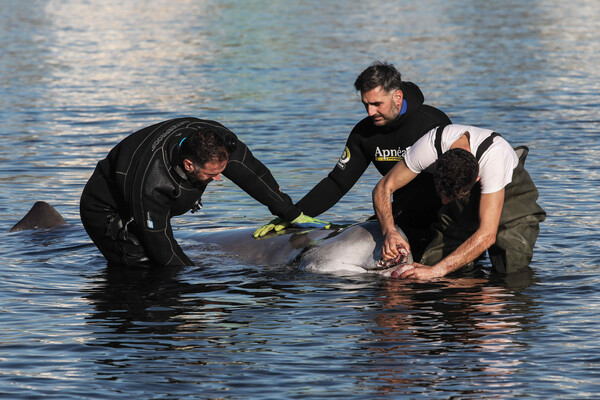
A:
[275,225]
[304,221]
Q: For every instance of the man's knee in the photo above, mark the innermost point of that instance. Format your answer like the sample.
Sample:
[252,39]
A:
[514,245]
[508,261]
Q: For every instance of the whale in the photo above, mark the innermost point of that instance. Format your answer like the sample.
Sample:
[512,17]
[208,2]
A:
[41,215]
[345,250]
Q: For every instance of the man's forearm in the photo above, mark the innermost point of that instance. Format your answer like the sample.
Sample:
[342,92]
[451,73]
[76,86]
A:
[468,251]
[382,205]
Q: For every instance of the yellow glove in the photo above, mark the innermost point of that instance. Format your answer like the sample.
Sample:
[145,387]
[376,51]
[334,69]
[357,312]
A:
[275,225]
[304,221]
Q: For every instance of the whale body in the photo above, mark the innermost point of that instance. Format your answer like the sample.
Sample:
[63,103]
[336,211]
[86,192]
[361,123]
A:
[353,249]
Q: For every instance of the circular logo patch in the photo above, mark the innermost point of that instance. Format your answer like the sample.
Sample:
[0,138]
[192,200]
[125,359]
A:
[344,158]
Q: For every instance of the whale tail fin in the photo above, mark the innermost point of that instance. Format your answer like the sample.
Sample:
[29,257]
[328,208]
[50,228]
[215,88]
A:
[41,215]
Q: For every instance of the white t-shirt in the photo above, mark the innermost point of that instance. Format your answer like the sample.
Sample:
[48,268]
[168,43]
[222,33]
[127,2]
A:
[495,166]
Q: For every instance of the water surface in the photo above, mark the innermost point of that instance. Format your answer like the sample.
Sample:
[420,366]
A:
[77,77]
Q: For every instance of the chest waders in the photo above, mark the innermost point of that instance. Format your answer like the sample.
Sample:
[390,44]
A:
[519,222]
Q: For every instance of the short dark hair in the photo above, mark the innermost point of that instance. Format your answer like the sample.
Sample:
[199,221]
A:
[379,74]
[455,173]
[204,145]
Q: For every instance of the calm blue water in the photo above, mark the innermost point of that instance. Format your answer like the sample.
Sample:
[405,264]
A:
[77,76]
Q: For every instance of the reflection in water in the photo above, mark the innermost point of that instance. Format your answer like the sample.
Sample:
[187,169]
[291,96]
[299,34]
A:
[76,77]
[138,301]
[461,327]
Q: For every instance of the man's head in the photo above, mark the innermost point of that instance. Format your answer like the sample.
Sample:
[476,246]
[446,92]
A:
[380,87]
[454,174]
[204,155]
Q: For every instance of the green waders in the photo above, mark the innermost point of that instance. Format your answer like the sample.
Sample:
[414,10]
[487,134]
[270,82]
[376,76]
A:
[517,232]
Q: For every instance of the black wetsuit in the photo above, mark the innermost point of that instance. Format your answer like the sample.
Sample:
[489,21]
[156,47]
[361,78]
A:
[128,202]
[416,204]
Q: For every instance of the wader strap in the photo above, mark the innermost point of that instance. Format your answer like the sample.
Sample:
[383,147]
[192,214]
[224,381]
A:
[487,142]
[438,139]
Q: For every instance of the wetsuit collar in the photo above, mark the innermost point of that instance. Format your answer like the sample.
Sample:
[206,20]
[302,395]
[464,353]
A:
[180,172]
[399,119]
[404,107]
[177,162]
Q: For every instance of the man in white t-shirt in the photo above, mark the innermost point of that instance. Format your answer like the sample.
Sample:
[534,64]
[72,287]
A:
[489,201]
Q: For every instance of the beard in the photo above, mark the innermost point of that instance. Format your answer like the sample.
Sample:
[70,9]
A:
[382,120]
[200,183]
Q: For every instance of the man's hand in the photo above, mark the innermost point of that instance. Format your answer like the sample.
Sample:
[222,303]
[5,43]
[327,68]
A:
[421,272]
[393,244]
[275,225]
[304,221]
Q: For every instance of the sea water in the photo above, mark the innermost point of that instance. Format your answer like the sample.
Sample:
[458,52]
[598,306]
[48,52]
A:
[78,76]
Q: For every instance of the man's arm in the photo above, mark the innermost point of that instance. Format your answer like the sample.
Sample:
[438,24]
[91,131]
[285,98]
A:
[490,209]
[152,217]
[398,177]
[348,170]
[151,194]
[253,177]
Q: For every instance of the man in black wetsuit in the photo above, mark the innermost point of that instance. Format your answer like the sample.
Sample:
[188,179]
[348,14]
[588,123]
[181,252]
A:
[396,118]
[161,171]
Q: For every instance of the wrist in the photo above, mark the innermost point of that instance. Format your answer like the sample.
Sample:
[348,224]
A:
[387,231]
[440,269]
[297,219]
[290,214]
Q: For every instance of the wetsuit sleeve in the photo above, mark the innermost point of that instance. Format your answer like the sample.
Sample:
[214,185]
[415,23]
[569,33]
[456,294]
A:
[254,178]
[348,170]
[152,216]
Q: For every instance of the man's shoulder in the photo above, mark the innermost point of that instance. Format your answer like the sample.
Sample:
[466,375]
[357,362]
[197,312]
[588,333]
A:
[365,123]
[430,113]
[364,127]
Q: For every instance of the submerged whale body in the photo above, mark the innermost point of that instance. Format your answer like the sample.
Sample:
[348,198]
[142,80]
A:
[41,215]
[349,250]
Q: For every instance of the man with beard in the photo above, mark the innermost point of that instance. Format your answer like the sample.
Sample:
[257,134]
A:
[490,201]
[162,171]
[396,119]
